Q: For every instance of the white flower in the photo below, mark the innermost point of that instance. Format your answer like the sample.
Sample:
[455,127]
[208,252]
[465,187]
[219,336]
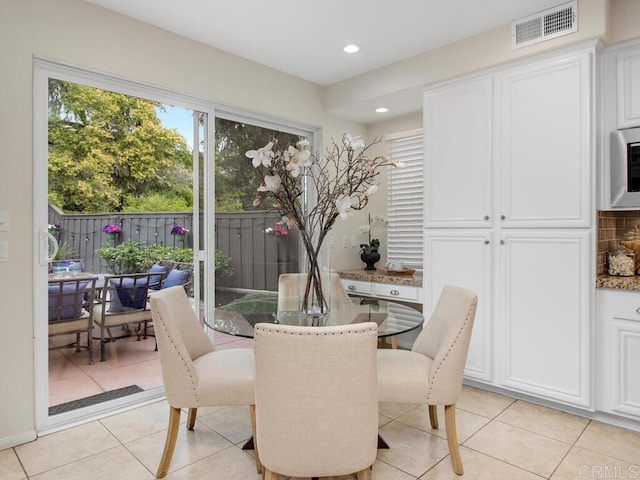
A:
[271,184]
[257,201]
[297,158]
[365,229]
[261,156]
[302,144]
[371,190]
[352,142]
[344,205]
[398,164]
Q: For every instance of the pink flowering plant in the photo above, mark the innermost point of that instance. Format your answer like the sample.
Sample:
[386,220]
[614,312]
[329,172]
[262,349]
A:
[179,230]
[342,180]
[112,228]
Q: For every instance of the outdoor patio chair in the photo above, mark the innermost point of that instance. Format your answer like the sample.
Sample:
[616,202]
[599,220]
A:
[123,304]
[194,373]
[180,274]
[71,310]
[316,400]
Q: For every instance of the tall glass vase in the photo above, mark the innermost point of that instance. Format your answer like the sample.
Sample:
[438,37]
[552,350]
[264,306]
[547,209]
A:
[315,285]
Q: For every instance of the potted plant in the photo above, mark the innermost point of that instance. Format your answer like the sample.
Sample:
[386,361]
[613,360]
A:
[112,231]
[369,251]
[179,231]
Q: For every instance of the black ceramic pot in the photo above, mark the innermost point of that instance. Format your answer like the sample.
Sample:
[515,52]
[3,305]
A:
[370,259]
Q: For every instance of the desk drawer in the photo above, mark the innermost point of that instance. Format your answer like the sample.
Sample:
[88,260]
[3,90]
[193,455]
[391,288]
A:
[400,292]
[356,286]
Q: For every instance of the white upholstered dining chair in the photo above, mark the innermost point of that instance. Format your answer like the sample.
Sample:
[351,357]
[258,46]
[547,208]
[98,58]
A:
[316,399]
[431,372]
[194,373]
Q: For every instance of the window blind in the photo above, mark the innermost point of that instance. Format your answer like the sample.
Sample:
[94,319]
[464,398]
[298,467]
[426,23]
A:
[406,198]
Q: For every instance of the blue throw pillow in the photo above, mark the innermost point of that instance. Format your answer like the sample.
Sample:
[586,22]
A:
[129,294]
[154,280]
[70,298]
[175,278]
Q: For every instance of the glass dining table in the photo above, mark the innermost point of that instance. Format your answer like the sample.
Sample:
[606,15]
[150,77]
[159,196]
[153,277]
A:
[240,316]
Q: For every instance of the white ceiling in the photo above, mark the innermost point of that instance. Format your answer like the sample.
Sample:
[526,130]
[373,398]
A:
[305,38]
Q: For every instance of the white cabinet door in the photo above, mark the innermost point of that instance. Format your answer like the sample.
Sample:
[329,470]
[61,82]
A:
[546,156]
[629,88]
[619,389]
[545,313]
[463,258]
[457,153]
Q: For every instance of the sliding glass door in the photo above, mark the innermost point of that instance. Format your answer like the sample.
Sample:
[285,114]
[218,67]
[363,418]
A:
[120,185]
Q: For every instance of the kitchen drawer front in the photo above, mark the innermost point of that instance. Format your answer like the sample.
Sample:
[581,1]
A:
[624,305]
[356,286]
[400,292]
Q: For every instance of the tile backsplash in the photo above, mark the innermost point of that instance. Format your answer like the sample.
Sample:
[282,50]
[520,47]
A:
[611,227]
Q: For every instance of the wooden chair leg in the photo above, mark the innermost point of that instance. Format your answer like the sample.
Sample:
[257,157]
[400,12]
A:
[452,438]
[269,475]
[364,474]
[252,411]
[394,342]
[433,416]
[191,418]
[170,442]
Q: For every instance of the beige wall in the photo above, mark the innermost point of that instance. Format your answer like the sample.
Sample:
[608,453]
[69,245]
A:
[78,33]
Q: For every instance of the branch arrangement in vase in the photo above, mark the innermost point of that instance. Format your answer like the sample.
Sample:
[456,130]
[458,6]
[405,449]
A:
[343,179]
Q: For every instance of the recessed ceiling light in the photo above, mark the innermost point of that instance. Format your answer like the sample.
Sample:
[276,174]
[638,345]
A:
[351,48]
[382,110]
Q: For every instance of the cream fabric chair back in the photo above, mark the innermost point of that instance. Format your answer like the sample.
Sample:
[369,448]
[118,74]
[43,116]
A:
[291,288]
[316,399]
[445,340]
[181,340]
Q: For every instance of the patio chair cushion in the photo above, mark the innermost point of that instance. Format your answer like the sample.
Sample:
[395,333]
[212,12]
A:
[129,297]
[154,281]
[175,278]
[69,298]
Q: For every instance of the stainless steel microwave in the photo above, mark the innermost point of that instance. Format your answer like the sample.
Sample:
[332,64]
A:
[625,168]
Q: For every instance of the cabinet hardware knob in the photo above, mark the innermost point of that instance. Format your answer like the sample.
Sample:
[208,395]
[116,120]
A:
[351,287]
[502,217]
[486,217]
[394,292]
[502,242]
[638,310]
[486,242]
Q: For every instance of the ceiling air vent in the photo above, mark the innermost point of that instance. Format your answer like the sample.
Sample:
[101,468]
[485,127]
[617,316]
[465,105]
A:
[551,23]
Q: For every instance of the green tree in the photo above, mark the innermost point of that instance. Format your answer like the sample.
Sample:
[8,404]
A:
[108,150]
[236,178]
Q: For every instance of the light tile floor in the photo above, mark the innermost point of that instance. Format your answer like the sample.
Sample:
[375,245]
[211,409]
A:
[501,438]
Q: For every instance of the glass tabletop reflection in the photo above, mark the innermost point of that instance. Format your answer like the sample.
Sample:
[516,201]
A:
[239,317]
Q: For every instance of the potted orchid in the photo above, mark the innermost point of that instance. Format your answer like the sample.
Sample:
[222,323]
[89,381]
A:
[342,181]
[369,251]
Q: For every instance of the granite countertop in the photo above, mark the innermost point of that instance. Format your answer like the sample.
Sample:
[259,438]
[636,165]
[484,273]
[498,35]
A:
[619,283]
[382,276]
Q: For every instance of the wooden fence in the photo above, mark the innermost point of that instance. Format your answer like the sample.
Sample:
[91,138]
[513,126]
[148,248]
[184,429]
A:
[257,257]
